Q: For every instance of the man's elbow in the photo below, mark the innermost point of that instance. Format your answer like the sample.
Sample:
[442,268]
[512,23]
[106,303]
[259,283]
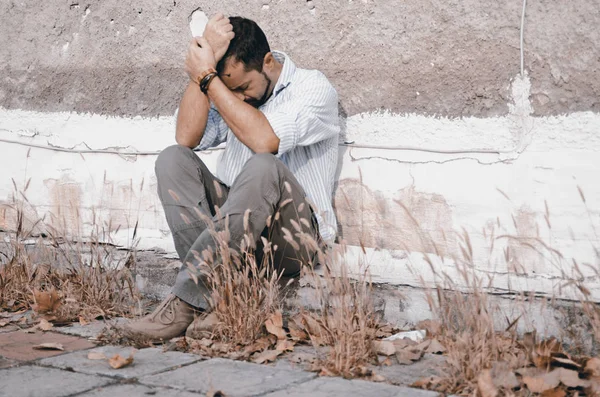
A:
[270,146]
[182,138]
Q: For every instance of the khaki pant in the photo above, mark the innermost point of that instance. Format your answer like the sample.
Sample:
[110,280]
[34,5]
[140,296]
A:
[186,186]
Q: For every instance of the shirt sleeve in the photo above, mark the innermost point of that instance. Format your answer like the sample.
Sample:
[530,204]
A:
[310,116]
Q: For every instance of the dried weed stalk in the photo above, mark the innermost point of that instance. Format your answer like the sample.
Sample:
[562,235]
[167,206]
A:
[62,277]
[346,321]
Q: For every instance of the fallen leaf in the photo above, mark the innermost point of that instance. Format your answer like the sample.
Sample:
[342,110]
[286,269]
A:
[406,357]
[377,378]
[297,330]
[46,301]
[570,378]
[49,346]
[117,361]
[426,383]
[274,325]
[435,347]
[540,384]
[266,356]
[431,326]
[285,345]
[3,323]
[422,346]
[404,342]
[312,326]
[258,345]
[45,325]
[557,392]
[503,376]
[485,384]
[96,356]
[592,367]
[384,347]
[82,321]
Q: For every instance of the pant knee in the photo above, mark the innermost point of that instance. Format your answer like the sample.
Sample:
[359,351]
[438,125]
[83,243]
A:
[262,161]
[170,157]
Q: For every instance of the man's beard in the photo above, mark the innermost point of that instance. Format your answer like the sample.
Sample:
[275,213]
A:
[259,102]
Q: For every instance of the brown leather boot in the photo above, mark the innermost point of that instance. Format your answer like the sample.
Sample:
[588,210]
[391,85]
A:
[169,320]
[203,326]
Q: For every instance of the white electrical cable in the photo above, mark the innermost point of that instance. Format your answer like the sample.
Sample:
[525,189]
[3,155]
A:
[346,144]
[522,28]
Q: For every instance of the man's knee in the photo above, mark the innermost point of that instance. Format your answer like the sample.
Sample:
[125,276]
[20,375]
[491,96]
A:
[262,161]
[170,157]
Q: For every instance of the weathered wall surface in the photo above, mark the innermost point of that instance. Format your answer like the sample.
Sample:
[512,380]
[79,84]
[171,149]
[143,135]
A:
[448,137]
[450,58]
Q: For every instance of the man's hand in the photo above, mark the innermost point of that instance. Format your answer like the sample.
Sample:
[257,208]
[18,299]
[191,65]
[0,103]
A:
[219,33]
[200,57]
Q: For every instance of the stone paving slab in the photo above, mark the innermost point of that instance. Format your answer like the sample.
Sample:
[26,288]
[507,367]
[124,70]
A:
[18,345]
[33,381]
[137,391]
[148,361]
[338,387]
[233,378]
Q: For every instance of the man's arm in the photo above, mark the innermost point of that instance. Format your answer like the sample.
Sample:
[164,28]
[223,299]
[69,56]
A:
[247,123]
[192,116]
[193,111]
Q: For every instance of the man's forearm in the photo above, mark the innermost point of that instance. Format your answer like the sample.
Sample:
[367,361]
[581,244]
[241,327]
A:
[192,116]
[247,123]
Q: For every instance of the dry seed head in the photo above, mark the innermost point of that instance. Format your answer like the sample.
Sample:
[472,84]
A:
[218,189]
[174,196]
[288,187]
[185,219]
[246,219]
[285,202]
[301,207]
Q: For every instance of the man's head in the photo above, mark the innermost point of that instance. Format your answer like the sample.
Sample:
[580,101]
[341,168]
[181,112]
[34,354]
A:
[248,68]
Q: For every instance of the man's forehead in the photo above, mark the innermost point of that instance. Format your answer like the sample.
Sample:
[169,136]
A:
[233,73]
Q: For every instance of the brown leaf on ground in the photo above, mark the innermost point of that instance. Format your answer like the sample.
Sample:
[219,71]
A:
[117,361]
[540,384]
[485,384]
[285,345]
[503,376]
[259,345]
[406,357]
[312,326]
[384,347]
[266,356]
[49,346]
[274,325]
[435,347]
[377,378]
[82,321]
[46,301]
[592,367]
[404,342]
[4,323]
[297,330]
[427,383]
[557,392]
[570,378]
[96,356]
[384,331]
[45,325]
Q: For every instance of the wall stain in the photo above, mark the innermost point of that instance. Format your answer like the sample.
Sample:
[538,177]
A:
[65,200]
[410,220]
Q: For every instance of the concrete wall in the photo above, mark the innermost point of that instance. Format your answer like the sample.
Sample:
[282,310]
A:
[447,136]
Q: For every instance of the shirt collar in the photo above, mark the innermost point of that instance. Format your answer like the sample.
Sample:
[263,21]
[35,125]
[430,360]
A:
[289,68]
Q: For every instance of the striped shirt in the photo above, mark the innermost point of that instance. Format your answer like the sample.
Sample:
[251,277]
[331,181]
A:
[303,112]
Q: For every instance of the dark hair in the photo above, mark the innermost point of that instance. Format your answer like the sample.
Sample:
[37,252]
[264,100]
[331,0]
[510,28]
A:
[249,45]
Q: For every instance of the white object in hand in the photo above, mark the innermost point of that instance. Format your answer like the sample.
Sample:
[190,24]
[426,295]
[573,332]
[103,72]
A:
[198,23]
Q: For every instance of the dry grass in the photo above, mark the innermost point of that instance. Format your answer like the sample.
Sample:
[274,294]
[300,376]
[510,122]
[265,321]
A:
[63,279]
[346,318]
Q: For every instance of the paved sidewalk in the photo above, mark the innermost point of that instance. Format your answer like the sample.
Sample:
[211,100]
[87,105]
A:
[25,371]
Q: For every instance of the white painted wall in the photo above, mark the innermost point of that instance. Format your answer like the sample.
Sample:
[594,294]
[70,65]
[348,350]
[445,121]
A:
[498,169]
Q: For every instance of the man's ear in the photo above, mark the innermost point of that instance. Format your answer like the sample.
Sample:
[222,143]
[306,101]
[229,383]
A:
[268,61]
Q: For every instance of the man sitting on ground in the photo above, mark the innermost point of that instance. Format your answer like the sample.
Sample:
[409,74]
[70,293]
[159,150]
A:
[280,123]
